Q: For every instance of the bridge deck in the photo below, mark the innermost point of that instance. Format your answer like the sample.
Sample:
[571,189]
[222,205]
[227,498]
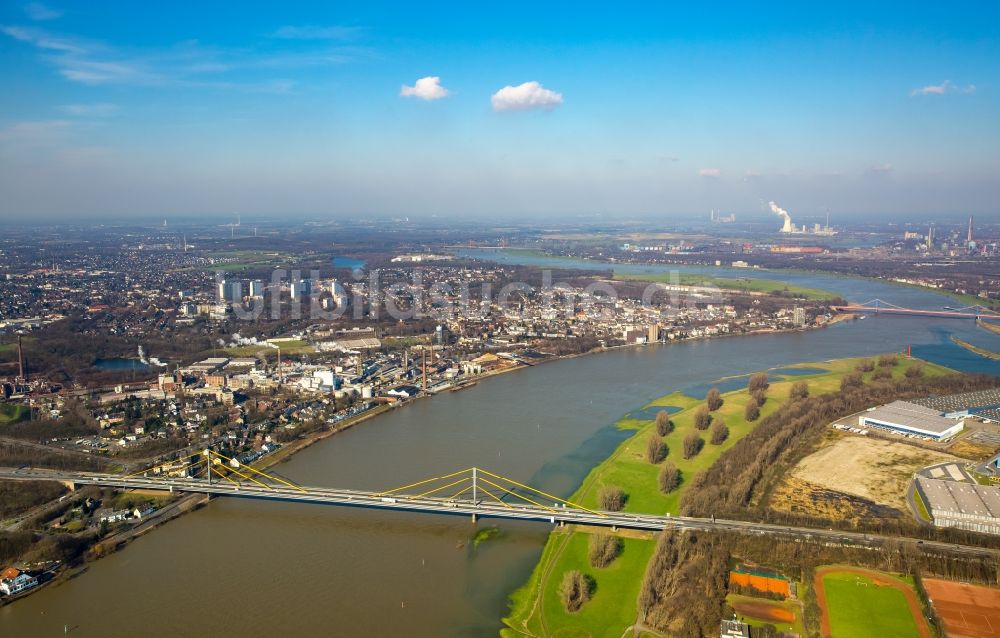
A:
[376,500]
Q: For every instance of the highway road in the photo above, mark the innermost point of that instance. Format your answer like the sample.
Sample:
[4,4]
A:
[483,509]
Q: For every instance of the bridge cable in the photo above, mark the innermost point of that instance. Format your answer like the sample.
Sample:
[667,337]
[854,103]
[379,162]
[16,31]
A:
[516,495]
[498,500]
[424,482]
[256,471]
[443,487]
[546,494]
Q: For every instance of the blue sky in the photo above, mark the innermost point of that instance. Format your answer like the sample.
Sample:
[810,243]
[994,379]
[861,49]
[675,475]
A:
[527,110]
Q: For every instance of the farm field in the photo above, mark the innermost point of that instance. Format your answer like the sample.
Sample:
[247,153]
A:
[862,603]
[966,611]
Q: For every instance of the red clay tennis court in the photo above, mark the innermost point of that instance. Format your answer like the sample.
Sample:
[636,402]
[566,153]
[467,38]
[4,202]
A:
[967,611]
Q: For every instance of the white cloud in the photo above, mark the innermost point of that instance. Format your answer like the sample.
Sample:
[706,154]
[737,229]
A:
[709,172]
[38,11]
[99,109]
[43,40]
[881,168]
[428,88]
[530,95]
[312,32]
[945,87]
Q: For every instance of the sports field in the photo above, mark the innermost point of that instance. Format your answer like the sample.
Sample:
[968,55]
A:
[861,603]
[785,615]
[967,611]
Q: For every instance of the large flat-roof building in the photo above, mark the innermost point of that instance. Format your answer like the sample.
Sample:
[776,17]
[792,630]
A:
[904,417]
[970,507]
[982,403]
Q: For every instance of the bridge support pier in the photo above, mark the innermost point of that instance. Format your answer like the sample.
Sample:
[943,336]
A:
[475,518]
[70,485]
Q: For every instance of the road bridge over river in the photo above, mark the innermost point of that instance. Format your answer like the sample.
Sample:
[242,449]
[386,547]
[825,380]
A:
[480,494]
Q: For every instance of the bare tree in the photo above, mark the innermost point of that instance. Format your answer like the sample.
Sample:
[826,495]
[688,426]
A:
[612,498]
[656,449]
[720,432]
[574,590]
[800,390]
[603,549]
[758,381]
[692,445]
[670,478]
[702,418]
[664,425]
[713,399]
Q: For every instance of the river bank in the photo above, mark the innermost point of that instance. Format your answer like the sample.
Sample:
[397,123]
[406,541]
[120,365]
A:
[982,352]
[535,608]
[570,262]
[117,542]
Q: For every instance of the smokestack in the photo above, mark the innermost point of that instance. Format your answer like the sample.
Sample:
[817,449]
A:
[424,362]
[969,238]
[778,210]
[20,359]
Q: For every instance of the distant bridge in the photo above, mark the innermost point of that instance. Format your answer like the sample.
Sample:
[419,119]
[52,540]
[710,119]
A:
[473,492]
[878,306]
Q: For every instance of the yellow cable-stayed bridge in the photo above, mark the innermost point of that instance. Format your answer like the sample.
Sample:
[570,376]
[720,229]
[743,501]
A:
[473,492]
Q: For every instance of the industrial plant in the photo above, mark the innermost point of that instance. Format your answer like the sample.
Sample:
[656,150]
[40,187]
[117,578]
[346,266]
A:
[789,228]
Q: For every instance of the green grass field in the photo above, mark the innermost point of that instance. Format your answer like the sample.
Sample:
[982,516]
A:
[533,611]
[743,284]
[244,259]
[288,347]
[12,413]
[858,608]
[613,603]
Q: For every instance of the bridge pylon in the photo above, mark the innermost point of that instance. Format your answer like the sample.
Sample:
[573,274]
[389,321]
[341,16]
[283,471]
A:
[474,484]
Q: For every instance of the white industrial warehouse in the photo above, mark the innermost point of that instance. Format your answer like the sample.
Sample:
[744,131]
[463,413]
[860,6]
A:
[904,417]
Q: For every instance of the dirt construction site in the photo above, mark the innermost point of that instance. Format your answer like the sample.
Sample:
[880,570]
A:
[872,469]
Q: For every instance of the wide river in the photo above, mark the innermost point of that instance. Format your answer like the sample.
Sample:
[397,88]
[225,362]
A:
[249,568]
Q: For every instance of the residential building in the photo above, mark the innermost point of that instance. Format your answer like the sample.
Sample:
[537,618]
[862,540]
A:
[14,581]
[799,317]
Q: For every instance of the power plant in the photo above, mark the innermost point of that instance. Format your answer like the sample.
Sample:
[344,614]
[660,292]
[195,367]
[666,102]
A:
[789,228]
